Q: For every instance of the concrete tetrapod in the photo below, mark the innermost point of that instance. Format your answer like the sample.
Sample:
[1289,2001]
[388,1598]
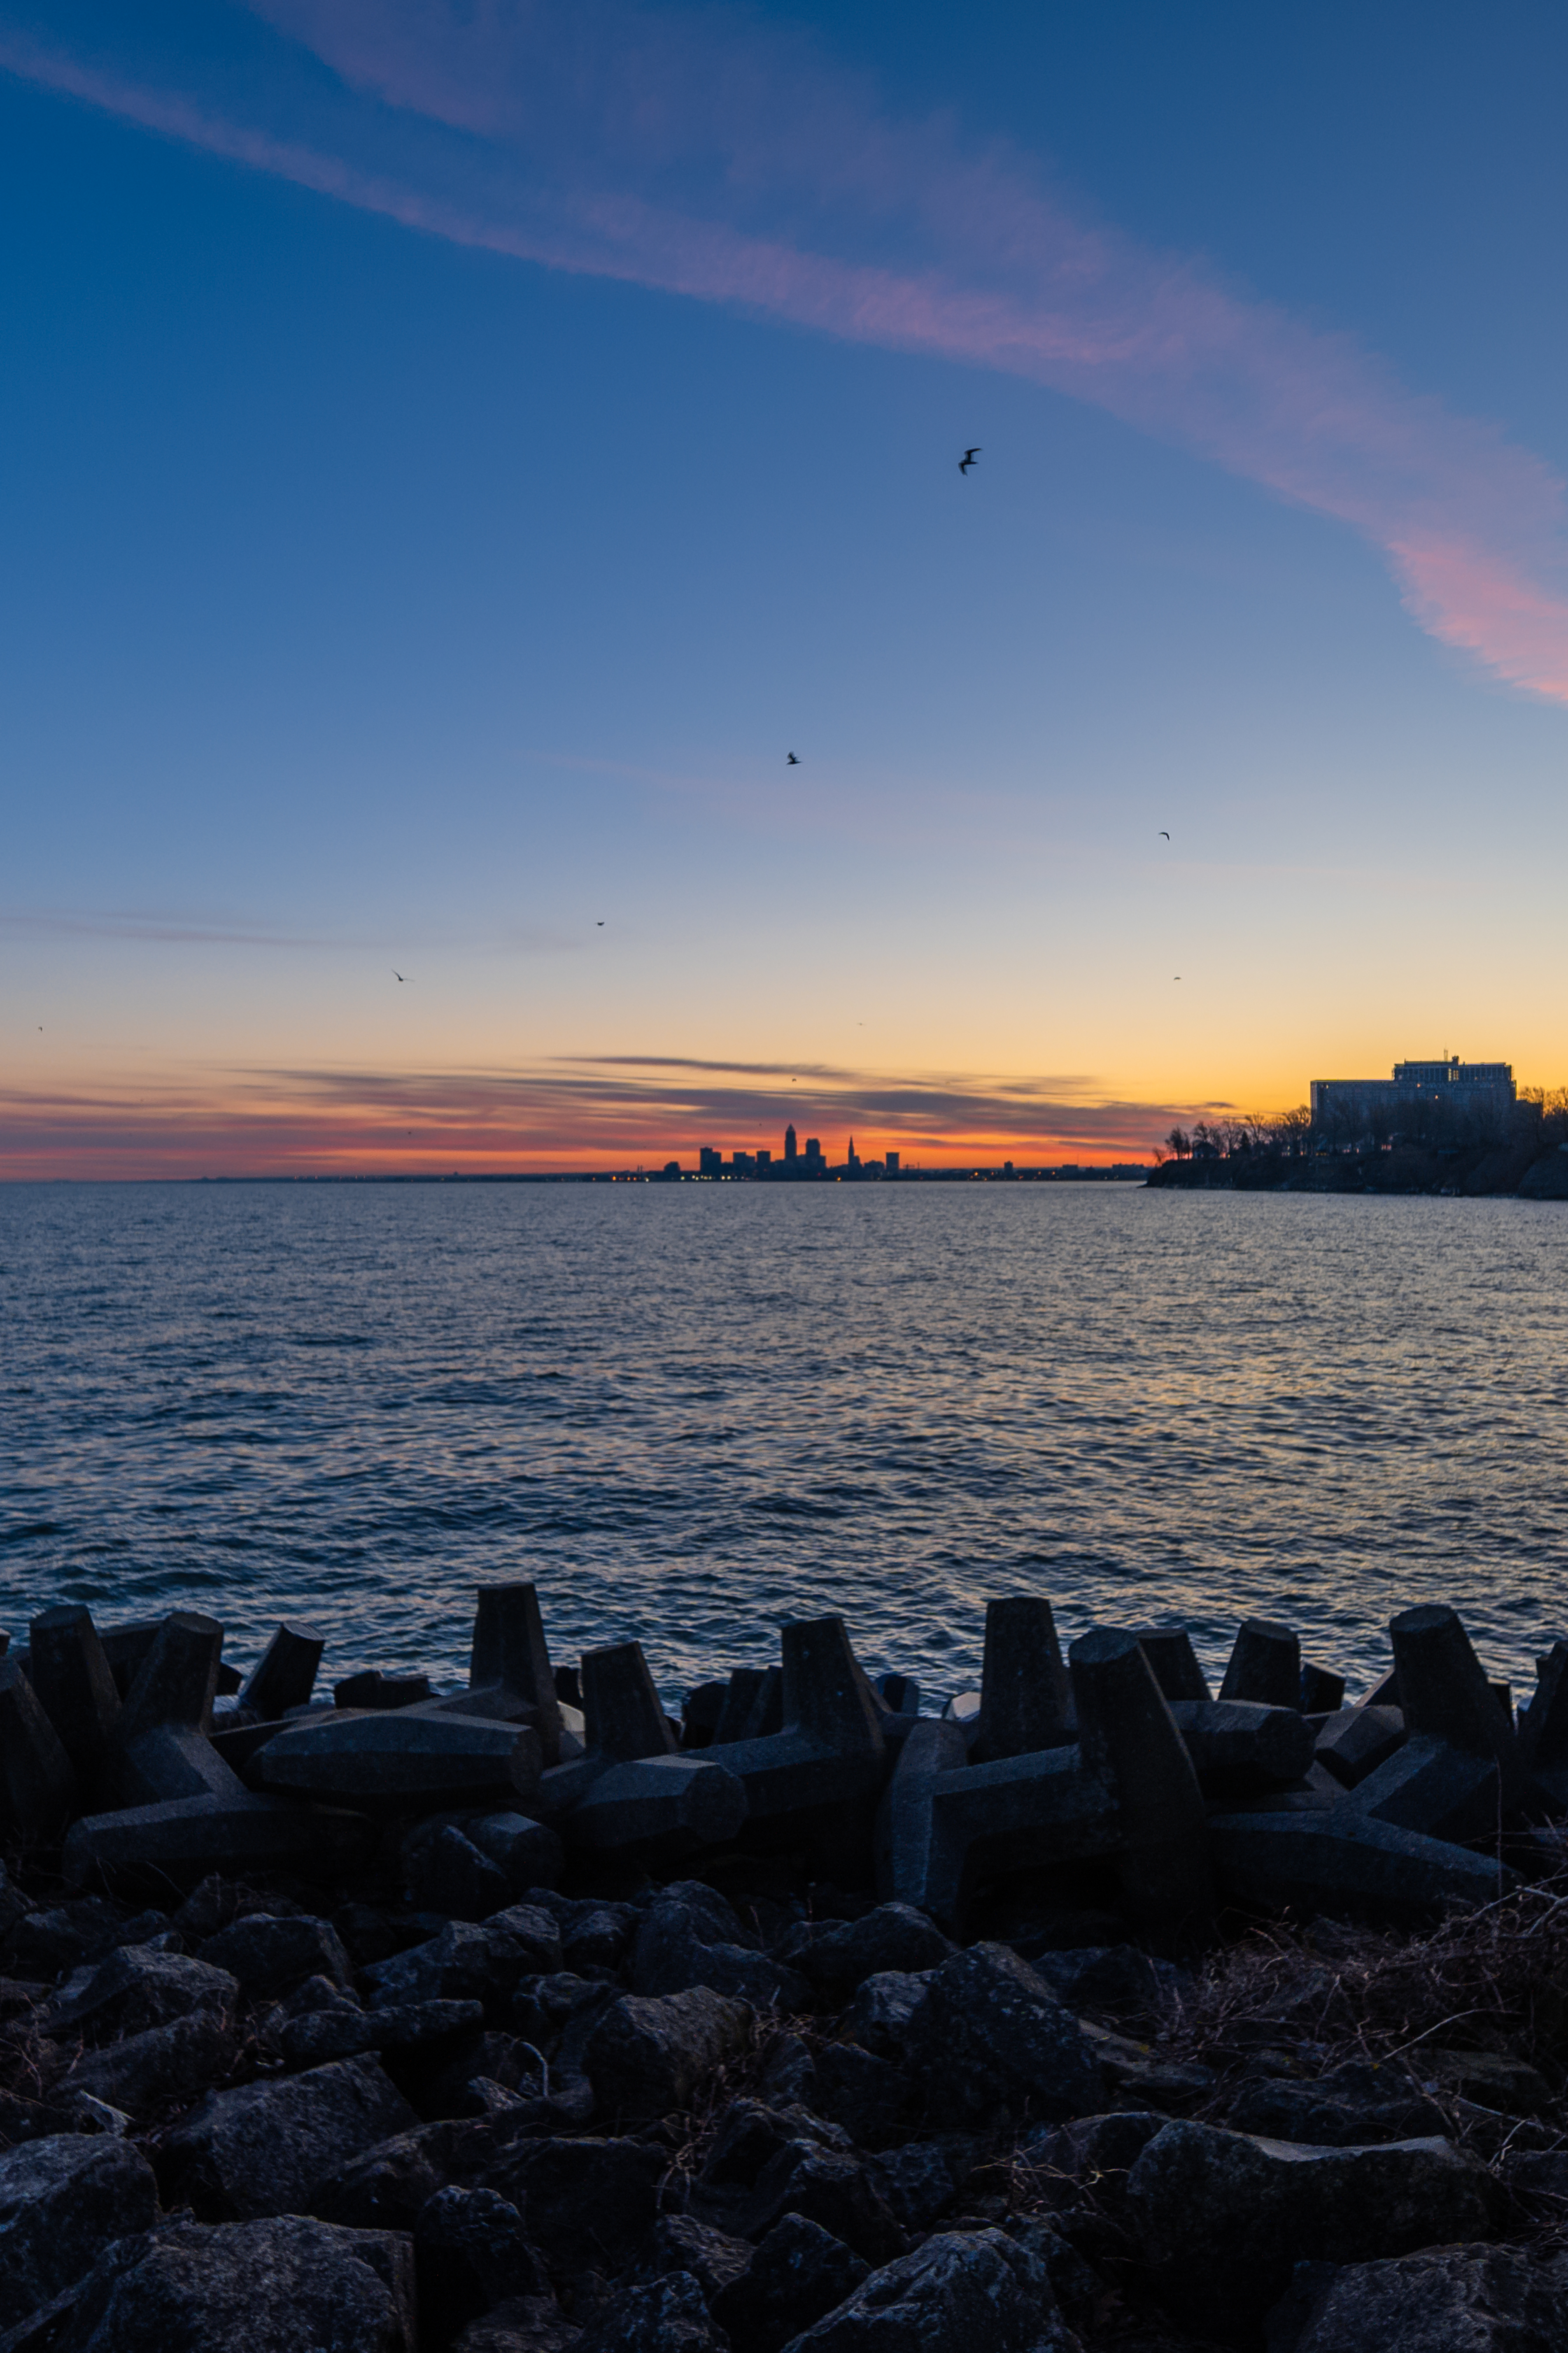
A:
[1026,1698]
[1543,1724]
[70,1673]
[511,1680]
[159,1748]
[1127,1790]
[630,1789]
[36,1784]
[1169,1651]
[285,1674]
[1265,1664]
[1341,1859]
[1445,1693]
[819,1777]
[393,1760]
[149,1849]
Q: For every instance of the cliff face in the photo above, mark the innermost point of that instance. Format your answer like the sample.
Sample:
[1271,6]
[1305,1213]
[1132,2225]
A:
[1523,1169]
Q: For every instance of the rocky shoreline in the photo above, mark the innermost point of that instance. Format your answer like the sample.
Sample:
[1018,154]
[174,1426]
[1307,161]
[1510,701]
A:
[1224,2022]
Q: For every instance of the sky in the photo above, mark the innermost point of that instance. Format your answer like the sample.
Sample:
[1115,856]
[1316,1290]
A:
[453,451]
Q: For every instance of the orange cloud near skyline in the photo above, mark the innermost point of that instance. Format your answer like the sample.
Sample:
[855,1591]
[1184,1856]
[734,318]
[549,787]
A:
[607,1112]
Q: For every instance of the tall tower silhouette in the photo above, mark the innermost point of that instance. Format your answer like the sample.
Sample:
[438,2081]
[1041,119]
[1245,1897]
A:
[789,1144]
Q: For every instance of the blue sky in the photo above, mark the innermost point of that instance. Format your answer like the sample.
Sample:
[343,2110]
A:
[454,453]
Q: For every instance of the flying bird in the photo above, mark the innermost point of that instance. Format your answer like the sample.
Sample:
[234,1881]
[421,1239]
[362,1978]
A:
[1163,835]
[790,761]
[599,924]
[396,974]
[967,460]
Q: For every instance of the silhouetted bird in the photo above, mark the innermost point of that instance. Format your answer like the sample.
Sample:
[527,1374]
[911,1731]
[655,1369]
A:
[1163,835]
[790,761]
[967,460]
[395,974]
[599,925]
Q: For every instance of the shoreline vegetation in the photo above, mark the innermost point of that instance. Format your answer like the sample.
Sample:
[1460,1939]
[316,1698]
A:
[1097,2015]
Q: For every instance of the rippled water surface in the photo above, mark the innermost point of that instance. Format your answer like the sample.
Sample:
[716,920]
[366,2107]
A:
[691,1412]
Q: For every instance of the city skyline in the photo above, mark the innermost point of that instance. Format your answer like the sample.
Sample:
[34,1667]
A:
[504,667]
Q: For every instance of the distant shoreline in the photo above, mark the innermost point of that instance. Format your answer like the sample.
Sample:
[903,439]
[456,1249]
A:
[1520,1171]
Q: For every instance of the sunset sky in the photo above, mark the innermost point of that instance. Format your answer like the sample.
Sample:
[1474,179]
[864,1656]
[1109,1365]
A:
[453,450]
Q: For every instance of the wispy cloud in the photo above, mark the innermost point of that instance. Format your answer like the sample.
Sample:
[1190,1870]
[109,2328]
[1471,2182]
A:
[702,152]
[590,1112]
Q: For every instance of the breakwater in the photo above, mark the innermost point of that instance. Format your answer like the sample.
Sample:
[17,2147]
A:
[522,2017]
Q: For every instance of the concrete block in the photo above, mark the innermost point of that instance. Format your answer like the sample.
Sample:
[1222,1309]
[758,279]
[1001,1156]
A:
[765,1714]
[674,1804]
[399,1760]
[1429,1785]
[126,1649]
[1544,1722]
[151,1849]
[1356,1740]
[1340,1861]
[159,1750]
[1026,1699]
[373,1689]
[285,1674]
[1265,1664]
[1126,1733]
[510,1652]
[745,1682]
[1128,1791]
[1237,1745]
[1321,1692]
[36,1784]
[1444,1692]
[900,1694]
[624,1717]
[1170,1652]
[700,1713]
[69,1672]
[830,1749]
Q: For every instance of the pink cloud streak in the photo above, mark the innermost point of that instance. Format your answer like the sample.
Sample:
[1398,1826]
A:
[704,156]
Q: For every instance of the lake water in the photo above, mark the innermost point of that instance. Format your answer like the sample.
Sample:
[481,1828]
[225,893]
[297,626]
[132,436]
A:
[690,1413]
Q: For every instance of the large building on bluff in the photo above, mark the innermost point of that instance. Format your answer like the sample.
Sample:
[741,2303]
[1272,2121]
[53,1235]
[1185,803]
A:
[1476,1096]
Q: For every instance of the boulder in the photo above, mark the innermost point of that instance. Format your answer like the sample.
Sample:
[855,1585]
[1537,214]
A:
[62,2200]
[682,2244]
[1464,2299]
[991,2035]
[870,2097]
[838,1960]
[882,2014]
[387,2187]
[798,2273]
[470,1961]
[920,2180]
[1223,2219]
[1115,1980]
[166,2063]
[529,1852]
[660,2315]
[268,1955]
[341,2032]
[589,2204]
[527,2323]
[957,2293]
[265,2148]
[1354,2104]
[457,1877]
[833,2187]
[471,2253]
[137,1988]
[288,2285]
[646,2057]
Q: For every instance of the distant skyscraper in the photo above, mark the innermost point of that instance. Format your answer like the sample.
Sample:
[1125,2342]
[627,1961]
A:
[789,1144]
[813,1153]
[854,1159]
[892,1163]
[710,1161]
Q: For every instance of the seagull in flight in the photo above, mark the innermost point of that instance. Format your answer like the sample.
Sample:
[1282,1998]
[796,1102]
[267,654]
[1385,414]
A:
[396,974]
[790,761]
[1163,835]
[967,460]
[599,924]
